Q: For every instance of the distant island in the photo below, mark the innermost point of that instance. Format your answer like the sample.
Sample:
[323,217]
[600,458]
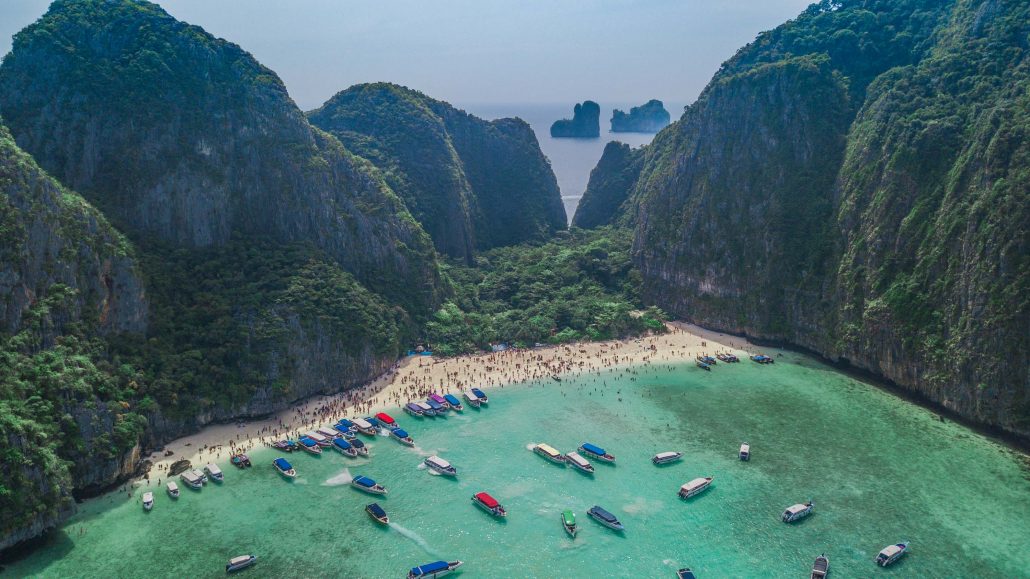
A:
[585,122]
[650,117]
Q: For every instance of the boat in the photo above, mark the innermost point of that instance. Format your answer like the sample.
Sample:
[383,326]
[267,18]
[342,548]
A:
[596,452]
[349,435]
[240,460]
[472,399]
[798,511]
[481,395]
[821,567]
[704,366]
[413,409]
[695,487]
[285,445]
[344,425]
[386,420]
[578,462]
[402,437]
[320,439]
[762,359]
[605,518]
[440,400]
[328,433]
[368,485]
[745,452]
[148,501]
[377,513]
[377,426]
[173,489]
[685,573]
[241,562]
[191,480]
[343,430]
[439,409]
[434,569]
[200,474]
[706,359]
[441,466]
[549,453]
[309,444]
[453,402]
[284,467]
[365,427]
[891,553]
[344,447]
[728,358]
[568,521]
[666,457]
[427,410]
[214,472]
[359,446]
[489,504]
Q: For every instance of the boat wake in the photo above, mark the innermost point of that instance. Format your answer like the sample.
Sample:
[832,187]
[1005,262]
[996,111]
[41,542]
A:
[342,478]
[415,538]
[531,446]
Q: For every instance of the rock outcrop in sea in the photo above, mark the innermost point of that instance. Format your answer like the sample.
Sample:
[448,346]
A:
[649,117]
[584,124]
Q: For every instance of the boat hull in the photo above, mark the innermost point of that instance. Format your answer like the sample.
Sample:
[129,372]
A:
[498,512]
[555,459]
[376,490]
[613,526]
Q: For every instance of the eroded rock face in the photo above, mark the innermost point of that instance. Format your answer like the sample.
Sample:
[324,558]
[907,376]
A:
[584,124]
[649,117]
[611,182]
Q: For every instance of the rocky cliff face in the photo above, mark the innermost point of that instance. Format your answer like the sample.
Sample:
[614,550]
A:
[855,182]
[472,184]
[608,190]
[649,117]
[584,124]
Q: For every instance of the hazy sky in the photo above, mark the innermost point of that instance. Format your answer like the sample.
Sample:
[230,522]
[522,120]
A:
[479,51]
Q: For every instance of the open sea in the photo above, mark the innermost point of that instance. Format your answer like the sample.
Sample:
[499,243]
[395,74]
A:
[880,470]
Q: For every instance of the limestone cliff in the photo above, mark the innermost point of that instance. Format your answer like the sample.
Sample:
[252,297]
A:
[649,117]
[609,187]
[584,124]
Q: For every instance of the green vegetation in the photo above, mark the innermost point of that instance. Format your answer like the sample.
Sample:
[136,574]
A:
[580,286]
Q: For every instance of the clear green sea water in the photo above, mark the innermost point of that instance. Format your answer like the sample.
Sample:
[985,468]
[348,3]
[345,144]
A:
[879,469]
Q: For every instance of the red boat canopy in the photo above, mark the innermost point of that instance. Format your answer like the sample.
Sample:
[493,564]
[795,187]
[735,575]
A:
[487,500]
[384,417]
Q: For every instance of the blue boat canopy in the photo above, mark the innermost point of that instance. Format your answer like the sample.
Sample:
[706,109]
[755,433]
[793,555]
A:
[593,449]
[341,443]
[429,568]
[399,433]
[604,514]
[356,443]
[372,421]
[308,441]
[376,510]
[434,404]
[346,423]
[414,406]
[282,464]
[478,392]
[451,399]
[364,481]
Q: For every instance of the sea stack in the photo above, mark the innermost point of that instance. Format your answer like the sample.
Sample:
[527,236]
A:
[585,123]
[649,117]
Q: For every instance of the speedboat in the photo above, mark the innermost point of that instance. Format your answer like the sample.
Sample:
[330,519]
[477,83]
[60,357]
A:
[441,466]
[605,518]
[489,504]
[891,553]
[200,474]
[359,446]
[568,521]
[402,437]
[745,452]
[343,429]
[344,425]
[685,573]
[413,409]
[798,511]
[666,457]
[762,359]
[386,420]
[368,485]
[578,462]
[427,410]
[240,460]
[344,447]
[191,480]
[453,402]
[821,567]
[549,453]
[440,400]
[349,435]
[728,358]
[241,562]
[439,409]
[703,366]
[173,489]
[377,513]
[596,452]
[695,487]
[434,569]
[148,501]
[328,433]
[707,360]
[365,427]
[481,395]
[320,439]
[309,444]
[472,399]
[285,445]
[214,472]
[284,467]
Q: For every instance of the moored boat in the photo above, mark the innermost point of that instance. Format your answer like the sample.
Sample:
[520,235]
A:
[344,447]
[344,425]
[578,462]
[285,468]
[434,569]
[401,436]
[453,402]
[214,472]
[481,395]
[666,457]
[413,409]
[596,452]
[240,460]
[489,504]
[728,358]
[891,553]
[798,511]
[200,474]
[368,485]
[685,573]
[377,426]
[328,433]
[441,466]
[438,409]
[285,445]
[745,452]
[762,359]
[440,400]
[472,399]
[364,426]
[148,501]
[310,445]
[241,562]
[706,359]
[359,446]
[549,452]
[568,521]
[427,410]
[386,420]
[191,480]
[173,489]
[821,567]
[695,487]
[320,439]
[605,518]
[377,513]
[703,366]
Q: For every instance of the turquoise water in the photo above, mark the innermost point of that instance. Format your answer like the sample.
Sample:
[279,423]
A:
[879,469]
